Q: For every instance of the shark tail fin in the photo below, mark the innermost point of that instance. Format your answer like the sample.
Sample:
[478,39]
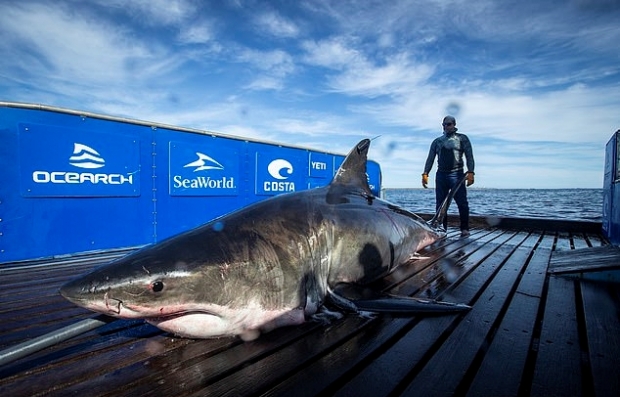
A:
[437,221]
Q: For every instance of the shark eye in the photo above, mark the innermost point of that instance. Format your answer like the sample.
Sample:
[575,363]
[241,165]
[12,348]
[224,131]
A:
[157,286]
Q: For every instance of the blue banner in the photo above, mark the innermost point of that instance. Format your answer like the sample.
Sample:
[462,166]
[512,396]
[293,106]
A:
[62,162]
[321,165]
[279,170]
[207,169]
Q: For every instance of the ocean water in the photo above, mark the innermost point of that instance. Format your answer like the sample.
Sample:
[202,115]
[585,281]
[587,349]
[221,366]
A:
[568,204]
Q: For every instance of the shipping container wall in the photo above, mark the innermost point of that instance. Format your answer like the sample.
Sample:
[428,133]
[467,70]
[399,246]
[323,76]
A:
[611,190]
[75,182]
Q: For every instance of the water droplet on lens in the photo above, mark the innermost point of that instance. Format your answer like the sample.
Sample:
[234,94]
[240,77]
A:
[218,226]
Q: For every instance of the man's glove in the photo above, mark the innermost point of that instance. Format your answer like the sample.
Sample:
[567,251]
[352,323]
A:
[469,177]
[425,180]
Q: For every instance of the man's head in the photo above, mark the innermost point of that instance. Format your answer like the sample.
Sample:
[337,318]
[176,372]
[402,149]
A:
[449,124]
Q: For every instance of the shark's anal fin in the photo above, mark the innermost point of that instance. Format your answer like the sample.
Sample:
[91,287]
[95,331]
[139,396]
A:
[357,298]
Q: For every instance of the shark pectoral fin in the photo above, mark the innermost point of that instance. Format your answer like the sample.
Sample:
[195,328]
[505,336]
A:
[409,305]
[358,298]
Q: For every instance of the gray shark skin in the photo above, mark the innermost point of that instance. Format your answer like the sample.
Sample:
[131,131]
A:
[270,264]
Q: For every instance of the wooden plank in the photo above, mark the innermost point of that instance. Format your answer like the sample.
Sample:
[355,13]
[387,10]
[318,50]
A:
[601,308]
[587,259]
[558,364]
[260,376]
[501,370]
[408,354]
[448,268]
[325,375]
[433,254]
[547,240]
[580,241]
[446,373]
[91,357]
[484,352]
[597,239]
[191,366]
[563,242]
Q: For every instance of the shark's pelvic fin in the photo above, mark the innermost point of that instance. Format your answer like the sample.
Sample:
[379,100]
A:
[356,298]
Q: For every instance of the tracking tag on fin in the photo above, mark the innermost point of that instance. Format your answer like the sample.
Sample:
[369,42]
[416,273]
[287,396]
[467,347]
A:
[358,298]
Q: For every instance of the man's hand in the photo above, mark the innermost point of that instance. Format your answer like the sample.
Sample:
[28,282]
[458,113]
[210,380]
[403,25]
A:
[425,180]
[469,177]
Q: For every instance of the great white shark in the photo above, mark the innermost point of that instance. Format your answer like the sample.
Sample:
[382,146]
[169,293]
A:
[270,264]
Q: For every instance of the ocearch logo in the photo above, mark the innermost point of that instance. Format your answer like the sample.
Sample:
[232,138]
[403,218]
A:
[279,169]
[83,157]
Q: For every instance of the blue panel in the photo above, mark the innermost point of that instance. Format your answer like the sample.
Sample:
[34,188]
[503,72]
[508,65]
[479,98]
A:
[71,183]
[80,212]
[278,170]
[608,184]
[321,165]
[374,177]
[209,168]
[187,193]
[64,162]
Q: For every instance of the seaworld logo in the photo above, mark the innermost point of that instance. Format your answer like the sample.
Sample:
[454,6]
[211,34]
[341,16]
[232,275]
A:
[204,163]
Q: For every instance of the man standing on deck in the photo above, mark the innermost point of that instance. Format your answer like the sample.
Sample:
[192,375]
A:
[449,149]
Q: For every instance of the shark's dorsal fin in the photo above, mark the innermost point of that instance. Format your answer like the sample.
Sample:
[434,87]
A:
[351,176]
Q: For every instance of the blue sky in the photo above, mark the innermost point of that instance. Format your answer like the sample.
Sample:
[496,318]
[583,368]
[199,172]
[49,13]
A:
[534,84]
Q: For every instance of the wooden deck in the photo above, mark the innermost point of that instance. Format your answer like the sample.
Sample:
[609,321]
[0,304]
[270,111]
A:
[530,331]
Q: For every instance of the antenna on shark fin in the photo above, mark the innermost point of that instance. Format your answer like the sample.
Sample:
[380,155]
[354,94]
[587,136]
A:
[437,221]
[362,147]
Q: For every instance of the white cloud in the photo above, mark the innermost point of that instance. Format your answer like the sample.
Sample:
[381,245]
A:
[533,84]
[275,24]
[70,48]
[276,62]
[265,83]
[397,76]
[333,53]
[197,33]
[153,12]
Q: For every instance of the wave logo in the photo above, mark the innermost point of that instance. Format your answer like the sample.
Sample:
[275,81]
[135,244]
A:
[85,157]
[277,167]
[205,162]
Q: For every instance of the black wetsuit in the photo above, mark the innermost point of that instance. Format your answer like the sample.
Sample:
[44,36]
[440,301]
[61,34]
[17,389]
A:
[449,149]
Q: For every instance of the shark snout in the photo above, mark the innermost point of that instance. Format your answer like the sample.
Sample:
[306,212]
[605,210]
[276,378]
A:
[89,295]
[73,291]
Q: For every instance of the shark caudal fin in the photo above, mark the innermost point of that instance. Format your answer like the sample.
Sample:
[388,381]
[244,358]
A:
[351,176]
[437,221]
